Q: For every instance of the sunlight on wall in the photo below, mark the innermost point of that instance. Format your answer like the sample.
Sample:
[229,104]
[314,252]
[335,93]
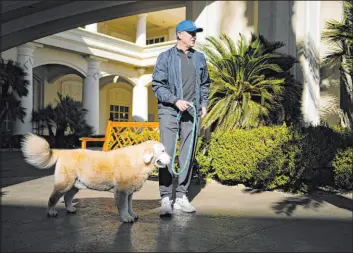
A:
[239,17]
[66,85]
[113,93]
[152,106]
[316,91]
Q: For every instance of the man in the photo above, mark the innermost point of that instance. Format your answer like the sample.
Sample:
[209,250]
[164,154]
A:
[180,76]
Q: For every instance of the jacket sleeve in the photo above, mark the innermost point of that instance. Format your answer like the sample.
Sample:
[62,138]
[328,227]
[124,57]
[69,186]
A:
[160,81]
[205,85]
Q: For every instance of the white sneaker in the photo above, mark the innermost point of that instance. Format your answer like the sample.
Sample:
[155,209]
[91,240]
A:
[184,205]
[166,206]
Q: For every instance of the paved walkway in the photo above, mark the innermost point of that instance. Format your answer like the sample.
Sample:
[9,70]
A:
[227,219]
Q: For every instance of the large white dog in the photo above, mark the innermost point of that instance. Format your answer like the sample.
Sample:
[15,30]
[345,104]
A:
[122,171]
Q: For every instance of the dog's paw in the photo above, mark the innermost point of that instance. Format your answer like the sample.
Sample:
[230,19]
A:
[71,209]
[134,215]
[126,218]
[52,213]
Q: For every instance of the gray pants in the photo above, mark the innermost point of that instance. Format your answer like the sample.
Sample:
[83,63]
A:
[168,130]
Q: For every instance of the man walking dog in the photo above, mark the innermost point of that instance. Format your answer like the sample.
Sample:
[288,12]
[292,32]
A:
[180,76]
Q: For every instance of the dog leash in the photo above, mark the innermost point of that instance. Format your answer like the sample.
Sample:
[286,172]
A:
[182,169]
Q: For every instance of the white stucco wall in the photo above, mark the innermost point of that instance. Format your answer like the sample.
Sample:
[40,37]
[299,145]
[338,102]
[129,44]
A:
[330,80]
[49,55]
[230,17]
[316,92]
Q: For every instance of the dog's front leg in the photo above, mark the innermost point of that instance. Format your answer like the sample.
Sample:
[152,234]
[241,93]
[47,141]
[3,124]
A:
[131,212]
[121,199]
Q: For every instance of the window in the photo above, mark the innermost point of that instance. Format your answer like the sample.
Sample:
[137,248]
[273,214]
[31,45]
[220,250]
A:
[119,113]
[155,40]
[7,124]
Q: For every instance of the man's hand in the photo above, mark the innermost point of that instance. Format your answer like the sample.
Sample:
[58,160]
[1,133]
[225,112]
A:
[182,105]
[203,112]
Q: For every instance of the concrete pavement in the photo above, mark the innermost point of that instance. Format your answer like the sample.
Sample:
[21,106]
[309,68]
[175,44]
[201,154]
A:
[228,219]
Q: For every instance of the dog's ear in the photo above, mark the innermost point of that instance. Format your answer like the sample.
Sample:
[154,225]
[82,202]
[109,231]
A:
[148,155]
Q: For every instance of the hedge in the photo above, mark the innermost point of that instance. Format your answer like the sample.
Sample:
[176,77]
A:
[294,159]
[342,168]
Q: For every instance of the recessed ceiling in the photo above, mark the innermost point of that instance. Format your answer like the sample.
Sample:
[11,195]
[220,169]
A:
[25,21]
[155,20]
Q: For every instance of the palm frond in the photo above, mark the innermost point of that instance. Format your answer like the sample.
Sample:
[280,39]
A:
[229,43]
[248,80]
[218,45]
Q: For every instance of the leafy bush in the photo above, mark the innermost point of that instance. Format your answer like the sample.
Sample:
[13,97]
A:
[11,141]
[235,155]
[202,160]
[13,86]
[274,157]
[343,166]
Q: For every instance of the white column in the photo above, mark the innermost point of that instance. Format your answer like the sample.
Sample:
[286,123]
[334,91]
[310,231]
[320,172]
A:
[201,12]
[311,65]
[92,27]
[171,34]
[26,60]
[91,94]
[141,30]
[197,12]
[140,99]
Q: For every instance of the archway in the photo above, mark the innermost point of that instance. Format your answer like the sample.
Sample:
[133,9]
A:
[115,96]
[50,79]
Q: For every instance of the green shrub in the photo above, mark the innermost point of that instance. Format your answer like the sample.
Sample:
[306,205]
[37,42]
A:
[294,159]
[236,155]
[11,141]
[202,160]
[343,166]
[313,149]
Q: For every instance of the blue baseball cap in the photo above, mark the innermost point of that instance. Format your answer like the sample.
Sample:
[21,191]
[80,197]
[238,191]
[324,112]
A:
[188,26]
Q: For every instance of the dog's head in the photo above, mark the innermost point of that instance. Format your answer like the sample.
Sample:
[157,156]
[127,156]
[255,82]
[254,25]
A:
[156,153]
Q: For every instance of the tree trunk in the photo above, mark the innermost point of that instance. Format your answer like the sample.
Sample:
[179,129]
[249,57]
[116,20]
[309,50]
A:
[59,138]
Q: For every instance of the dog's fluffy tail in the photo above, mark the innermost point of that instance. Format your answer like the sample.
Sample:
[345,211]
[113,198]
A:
[37,152]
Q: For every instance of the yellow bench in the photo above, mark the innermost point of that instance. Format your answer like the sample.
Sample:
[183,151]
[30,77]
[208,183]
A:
[121,134]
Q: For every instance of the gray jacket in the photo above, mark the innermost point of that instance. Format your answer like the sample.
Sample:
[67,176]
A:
[167,82]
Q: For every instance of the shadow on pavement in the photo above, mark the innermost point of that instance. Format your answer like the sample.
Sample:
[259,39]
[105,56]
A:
[195,187]
[96,227]
[14,170]
[288,205]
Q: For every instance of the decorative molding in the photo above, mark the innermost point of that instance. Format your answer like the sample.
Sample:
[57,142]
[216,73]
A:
[106,47]
[140,70]
[99,59]
[28,64]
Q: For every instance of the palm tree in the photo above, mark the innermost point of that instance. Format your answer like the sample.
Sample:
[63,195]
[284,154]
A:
[13,86]
[67,115]
[248,81]
[339,35]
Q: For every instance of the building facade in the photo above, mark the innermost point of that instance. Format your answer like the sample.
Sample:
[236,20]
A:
[108,65]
